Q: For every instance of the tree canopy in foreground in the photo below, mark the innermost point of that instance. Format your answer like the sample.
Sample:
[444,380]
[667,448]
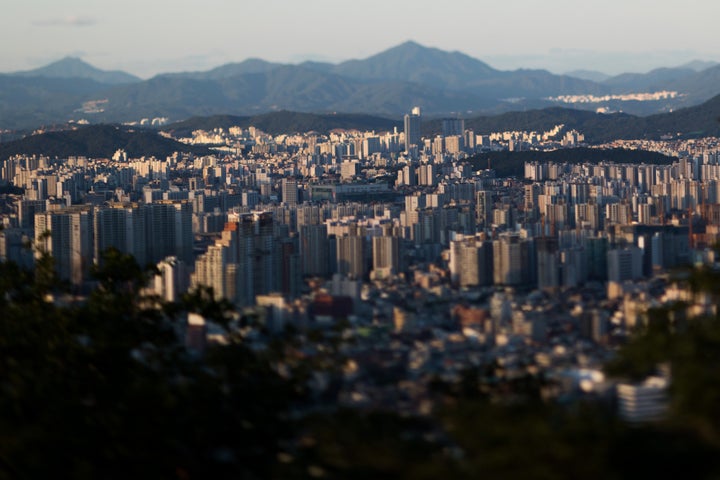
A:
[105,388]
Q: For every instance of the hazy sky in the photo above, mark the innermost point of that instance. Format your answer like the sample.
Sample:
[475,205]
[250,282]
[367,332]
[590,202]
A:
[146,37]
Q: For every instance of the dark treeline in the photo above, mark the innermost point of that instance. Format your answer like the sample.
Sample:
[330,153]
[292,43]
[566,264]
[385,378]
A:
[276,123]
[97,141]
[509,164]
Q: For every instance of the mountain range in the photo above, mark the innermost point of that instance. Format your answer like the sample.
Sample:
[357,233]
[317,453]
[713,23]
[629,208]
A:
[388,83]
[696,121]
[101,141]
[691,122]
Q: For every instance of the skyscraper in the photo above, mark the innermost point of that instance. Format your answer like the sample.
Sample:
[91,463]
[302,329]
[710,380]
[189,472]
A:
[412,128]
[289,191]
[483,209]
[266,261]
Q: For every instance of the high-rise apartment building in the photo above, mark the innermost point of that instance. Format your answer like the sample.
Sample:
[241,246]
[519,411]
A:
[471,262]
[169,230]
[548,262]
[248,260]
[412,128]
[426,174]
[26,211]
[171,280]
[67,235]
[314,250]
[290,191]
[624,264]
[149,232]
[483,208]
[351,256]
[386,255]
[121,226]
[512,260]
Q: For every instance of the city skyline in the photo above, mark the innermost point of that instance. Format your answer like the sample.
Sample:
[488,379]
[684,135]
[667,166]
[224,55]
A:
[149,39]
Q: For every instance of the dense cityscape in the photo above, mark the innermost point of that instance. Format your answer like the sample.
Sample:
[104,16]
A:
[384,240]
[435,264]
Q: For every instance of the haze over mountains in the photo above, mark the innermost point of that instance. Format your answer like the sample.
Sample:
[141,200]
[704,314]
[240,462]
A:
[388,84]
[72,67]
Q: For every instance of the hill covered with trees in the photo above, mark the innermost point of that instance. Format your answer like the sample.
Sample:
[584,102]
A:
[697,121]
[97,141]
[511,164]
[276,123]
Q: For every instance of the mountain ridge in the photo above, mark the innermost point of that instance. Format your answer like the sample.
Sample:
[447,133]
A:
[695,121]
[103,140]
[388,83]
[97,141]
[75,67]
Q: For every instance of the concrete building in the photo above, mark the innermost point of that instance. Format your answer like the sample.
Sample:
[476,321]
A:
[386,256]
[624,264]
[643,402]
[471,262]
[351,256]
[314,250]
[412,128]
[512,260]
[67,235]
[290,191]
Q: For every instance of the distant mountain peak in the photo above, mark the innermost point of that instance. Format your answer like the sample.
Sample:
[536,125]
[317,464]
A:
[75,67]
[411,44]
[414,48]
[416,63]
[66,65]
[70,59]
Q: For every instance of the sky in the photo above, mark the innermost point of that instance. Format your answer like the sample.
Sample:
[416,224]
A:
[147,37]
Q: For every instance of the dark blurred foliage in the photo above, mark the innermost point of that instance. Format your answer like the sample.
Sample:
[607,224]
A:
[104,388]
